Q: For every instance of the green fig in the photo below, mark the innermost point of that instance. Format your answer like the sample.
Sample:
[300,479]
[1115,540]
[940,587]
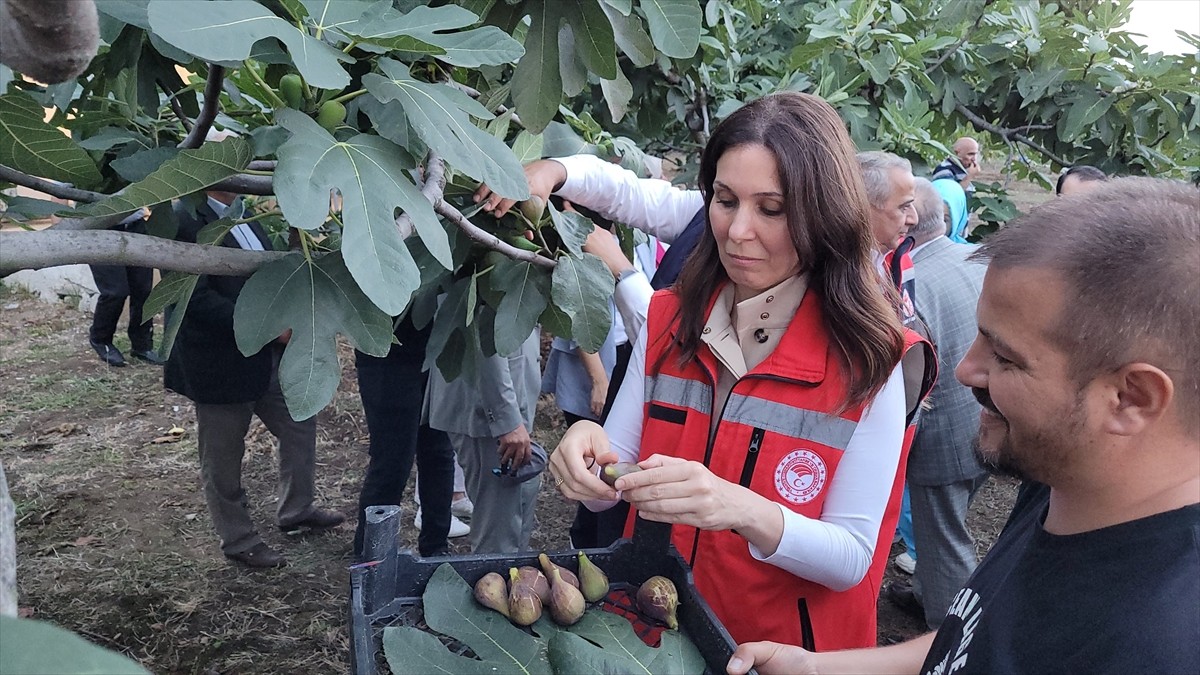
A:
[611,472]
[291,87]
[592,580]
[533,208]
[330,115]
[566,602]
[524,604]
[490,592]
[567,575]
[534,577]
[658,599]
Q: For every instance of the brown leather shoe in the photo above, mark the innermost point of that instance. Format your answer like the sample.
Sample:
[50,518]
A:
[318,520]
[260,556]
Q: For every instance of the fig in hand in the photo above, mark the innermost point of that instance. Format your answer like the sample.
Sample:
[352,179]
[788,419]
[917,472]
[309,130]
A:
[611,472]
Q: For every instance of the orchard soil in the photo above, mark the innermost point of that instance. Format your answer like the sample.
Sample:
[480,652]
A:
[114,543]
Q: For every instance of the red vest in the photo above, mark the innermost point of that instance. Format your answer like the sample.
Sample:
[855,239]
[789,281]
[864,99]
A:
[779,437]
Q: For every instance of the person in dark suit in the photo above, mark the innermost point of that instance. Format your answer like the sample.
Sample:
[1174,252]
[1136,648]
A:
[393,394]
[943,472]
[228,389]
[116,283]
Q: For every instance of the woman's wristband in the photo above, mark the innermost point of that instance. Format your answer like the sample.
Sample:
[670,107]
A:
[626,273]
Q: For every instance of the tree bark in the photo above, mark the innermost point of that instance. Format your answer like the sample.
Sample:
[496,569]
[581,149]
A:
[49,248]
[8,550]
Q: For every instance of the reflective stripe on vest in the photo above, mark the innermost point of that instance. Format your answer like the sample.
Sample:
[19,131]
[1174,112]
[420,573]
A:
[751,411]
[679,392]
[788,420]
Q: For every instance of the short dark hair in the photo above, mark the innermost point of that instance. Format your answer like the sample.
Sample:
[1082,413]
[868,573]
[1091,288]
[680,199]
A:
[1130,257]
[1081,172]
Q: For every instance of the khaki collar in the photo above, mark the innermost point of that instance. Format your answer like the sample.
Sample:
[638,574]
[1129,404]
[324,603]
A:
[744,334]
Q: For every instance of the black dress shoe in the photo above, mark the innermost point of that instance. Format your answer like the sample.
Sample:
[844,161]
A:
[319,519]
[258,556]
[108,353]
[149,356]
[900,594]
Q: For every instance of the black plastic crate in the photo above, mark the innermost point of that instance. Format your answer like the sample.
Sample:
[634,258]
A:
[387,591]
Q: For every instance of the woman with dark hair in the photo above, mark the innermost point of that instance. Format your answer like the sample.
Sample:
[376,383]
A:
[764,402]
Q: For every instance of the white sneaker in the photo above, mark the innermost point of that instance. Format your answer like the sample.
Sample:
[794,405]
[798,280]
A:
[457,527]
[906,563]
[463,508]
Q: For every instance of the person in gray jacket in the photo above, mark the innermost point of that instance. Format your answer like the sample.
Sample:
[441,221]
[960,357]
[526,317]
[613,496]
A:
[943,472]
[488,415]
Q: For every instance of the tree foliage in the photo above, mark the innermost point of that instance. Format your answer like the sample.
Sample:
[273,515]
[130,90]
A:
[399,109]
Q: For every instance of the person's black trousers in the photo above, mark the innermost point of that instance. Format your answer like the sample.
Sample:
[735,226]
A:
[393,390]
[597,530]
[115,283]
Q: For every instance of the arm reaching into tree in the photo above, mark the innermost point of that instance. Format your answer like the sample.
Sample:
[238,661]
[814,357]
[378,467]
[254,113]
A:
[653,206]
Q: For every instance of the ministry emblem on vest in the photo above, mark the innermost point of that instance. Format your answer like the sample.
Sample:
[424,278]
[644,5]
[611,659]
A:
[800,476]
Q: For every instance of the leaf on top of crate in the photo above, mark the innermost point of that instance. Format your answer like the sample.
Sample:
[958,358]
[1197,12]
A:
[601,642]
[451,610]
[604,642]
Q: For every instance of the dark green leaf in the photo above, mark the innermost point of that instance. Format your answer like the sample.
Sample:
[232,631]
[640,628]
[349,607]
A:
[317,300]
[526,290]
[29,144]
[412,651]
[141,164]
[674,26]
[373,179]
[24,209]
[594,38]
[569,653]
[582,288]
[1087,108]
[171,289]
[227,31]
[618,92]
[629,35]
[189,171]
[572,227]
[422,30]
[441,116]
[536,82]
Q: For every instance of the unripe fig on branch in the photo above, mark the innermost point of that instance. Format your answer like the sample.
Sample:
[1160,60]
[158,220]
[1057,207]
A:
[291,87]
[331,114]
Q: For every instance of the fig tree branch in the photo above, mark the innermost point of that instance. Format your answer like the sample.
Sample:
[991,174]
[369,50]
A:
[49,248]
[50,187]
[435,175]
[212,104]
[1008,134]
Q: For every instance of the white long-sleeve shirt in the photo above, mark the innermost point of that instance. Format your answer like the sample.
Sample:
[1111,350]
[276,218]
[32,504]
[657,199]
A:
[836,549]
[653,206]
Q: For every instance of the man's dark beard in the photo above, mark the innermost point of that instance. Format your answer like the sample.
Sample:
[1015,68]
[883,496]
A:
[1000,464]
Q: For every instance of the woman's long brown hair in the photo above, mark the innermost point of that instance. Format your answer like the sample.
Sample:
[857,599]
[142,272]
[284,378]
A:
[828,217]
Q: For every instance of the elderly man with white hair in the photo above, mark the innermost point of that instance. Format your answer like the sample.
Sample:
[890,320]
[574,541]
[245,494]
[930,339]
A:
[943,472]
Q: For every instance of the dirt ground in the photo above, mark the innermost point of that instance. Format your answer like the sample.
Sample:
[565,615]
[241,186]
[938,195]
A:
[113,538]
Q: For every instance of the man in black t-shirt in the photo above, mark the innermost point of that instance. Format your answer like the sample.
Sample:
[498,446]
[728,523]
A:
[1085,368]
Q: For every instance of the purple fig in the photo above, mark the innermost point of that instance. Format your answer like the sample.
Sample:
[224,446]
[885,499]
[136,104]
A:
[567,575]
[566,602]
[611,472]
[534,577]
[524,604]
[490,592]
[658,599]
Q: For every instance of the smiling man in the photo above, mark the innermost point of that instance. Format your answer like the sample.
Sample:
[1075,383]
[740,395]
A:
[1086,368]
